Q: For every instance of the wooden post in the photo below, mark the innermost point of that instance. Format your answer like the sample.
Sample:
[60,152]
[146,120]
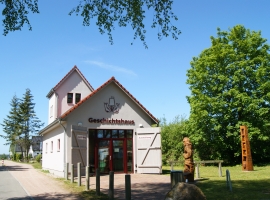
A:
[247,164]
[128,187]
[87,177]
[197,171]
[219,169]
[72,173]
[97,182]
[111,183]
[79,174]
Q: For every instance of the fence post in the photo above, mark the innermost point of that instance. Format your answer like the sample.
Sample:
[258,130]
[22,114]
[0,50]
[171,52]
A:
[66,171]
[79,173]
[219,169]
[111,184]
[87,178]
[128,187]
[228,179]
[97,182]
[72,173]
[197,171]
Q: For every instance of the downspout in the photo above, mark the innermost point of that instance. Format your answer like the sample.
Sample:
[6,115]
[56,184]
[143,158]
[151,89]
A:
[64,160]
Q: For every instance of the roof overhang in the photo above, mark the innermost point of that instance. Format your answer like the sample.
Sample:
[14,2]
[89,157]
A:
[51,126]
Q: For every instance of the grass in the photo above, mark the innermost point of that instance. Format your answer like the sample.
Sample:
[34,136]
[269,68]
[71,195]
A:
[245,185]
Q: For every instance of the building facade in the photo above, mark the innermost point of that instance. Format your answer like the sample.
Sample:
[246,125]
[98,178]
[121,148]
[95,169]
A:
[106,128]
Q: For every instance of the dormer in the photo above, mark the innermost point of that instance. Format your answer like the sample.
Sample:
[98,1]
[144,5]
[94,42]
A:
[68,92]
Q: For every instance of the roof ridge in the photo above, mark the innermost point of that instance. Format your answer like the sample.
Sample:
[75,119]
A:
[75,68]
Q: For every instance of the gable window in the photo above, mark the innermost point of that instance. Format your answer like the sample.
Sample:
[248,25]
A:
[69,97]
[78,97]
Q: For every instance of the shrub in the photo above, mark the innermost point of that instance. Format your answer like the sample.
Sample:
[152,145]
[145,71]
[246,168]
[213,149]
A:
[18,156]
[38,157]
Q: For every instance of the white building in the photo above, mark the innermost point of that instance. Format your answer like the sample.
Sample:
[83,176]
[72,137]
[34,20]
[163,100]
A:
[106,128]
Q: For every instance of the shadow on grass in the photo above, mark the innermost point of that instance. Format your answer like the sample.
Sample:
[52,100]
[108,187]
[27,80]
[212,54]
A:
[241,189]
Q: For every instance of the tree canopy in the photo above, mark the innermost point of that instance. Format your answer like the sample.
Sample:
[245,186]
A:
[230,86]
[107,14]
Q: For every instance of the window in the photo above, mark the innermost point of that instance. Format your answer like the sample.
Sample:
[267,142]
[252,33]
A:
[51,146]
[58,145]
[69,97]
[78,97]
[46,150]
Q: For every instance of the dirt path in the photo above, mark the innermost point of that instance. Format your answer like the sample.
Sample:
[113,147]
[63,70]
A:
[37,184]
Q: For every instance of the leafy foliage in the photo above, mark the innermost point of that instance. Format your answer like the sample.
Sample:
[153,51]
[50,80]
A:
[172,135]
[3,156]
[106,12]
[38,158]
[15,14]
[230,87]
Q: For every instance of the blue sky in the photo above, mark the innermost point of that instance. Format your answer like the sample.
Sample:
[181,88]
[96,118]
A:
[156,76]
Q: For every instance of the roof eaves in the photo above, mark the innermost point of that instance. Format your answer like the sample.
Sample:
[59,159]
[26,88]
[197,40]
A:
[51,125]
[50,93]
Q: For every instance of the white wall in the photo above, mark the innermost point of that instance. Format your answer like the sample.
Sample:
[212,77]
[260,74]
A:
[53,160]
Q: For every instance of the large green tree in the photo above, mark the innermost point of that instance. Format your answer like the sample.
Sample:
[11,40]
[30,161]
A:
[29,122]
[230,86]
[107,14]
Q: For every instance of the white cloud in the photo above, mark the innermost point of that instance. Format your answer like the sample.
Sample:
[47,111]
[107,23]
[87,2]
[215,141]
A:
[111,67]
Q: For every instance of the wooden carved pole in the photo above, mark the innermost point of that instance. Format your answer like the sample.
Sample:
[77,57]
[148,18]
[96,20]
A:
[247,164]
[189,164]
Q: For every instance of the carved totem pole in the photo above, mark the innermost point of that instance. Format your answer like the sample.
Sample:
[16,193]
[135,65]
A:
[247,164]
[189,165]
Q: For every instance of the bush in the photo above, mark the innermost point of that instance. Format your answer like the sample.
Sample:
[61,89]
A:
[38,157]
[18,156]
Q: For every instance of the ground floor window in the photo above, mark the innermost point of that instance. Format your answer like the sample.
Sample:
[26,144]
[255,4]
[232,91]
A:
[111,150]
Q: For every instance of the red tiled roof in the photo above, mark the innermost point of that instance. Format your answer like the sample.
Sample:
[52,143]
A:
[75,68]
[102,86]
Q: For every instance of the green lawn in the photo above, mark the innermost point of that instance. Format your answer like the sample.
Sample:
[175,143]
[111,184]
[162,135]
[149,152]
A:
[245,185]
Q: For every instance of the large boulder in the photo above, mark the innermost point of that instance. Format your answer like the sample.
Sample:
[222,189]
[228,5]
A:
[185,191]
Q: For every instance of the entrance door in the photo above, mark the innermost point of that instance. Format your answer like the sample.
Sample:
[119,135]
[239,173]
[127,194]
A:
[118,155]
[113,150]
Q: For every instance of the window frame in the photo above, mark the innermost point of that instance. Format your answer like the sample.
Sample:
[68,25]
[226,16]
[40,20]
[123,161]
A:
[69,99]
[79,99]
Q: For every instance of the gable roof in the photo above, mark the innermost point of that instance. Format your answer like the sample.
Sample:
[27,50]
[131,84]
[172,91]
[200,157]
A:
[75,68]
[100,88]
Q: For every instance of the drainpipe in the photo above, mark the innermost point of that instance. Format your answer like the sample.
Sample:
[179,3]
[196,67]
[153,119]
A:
[59,120]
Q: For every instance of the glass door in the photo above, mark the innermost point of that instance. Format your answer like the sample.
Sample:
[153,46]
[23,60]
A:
[118,155]
[104,156]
